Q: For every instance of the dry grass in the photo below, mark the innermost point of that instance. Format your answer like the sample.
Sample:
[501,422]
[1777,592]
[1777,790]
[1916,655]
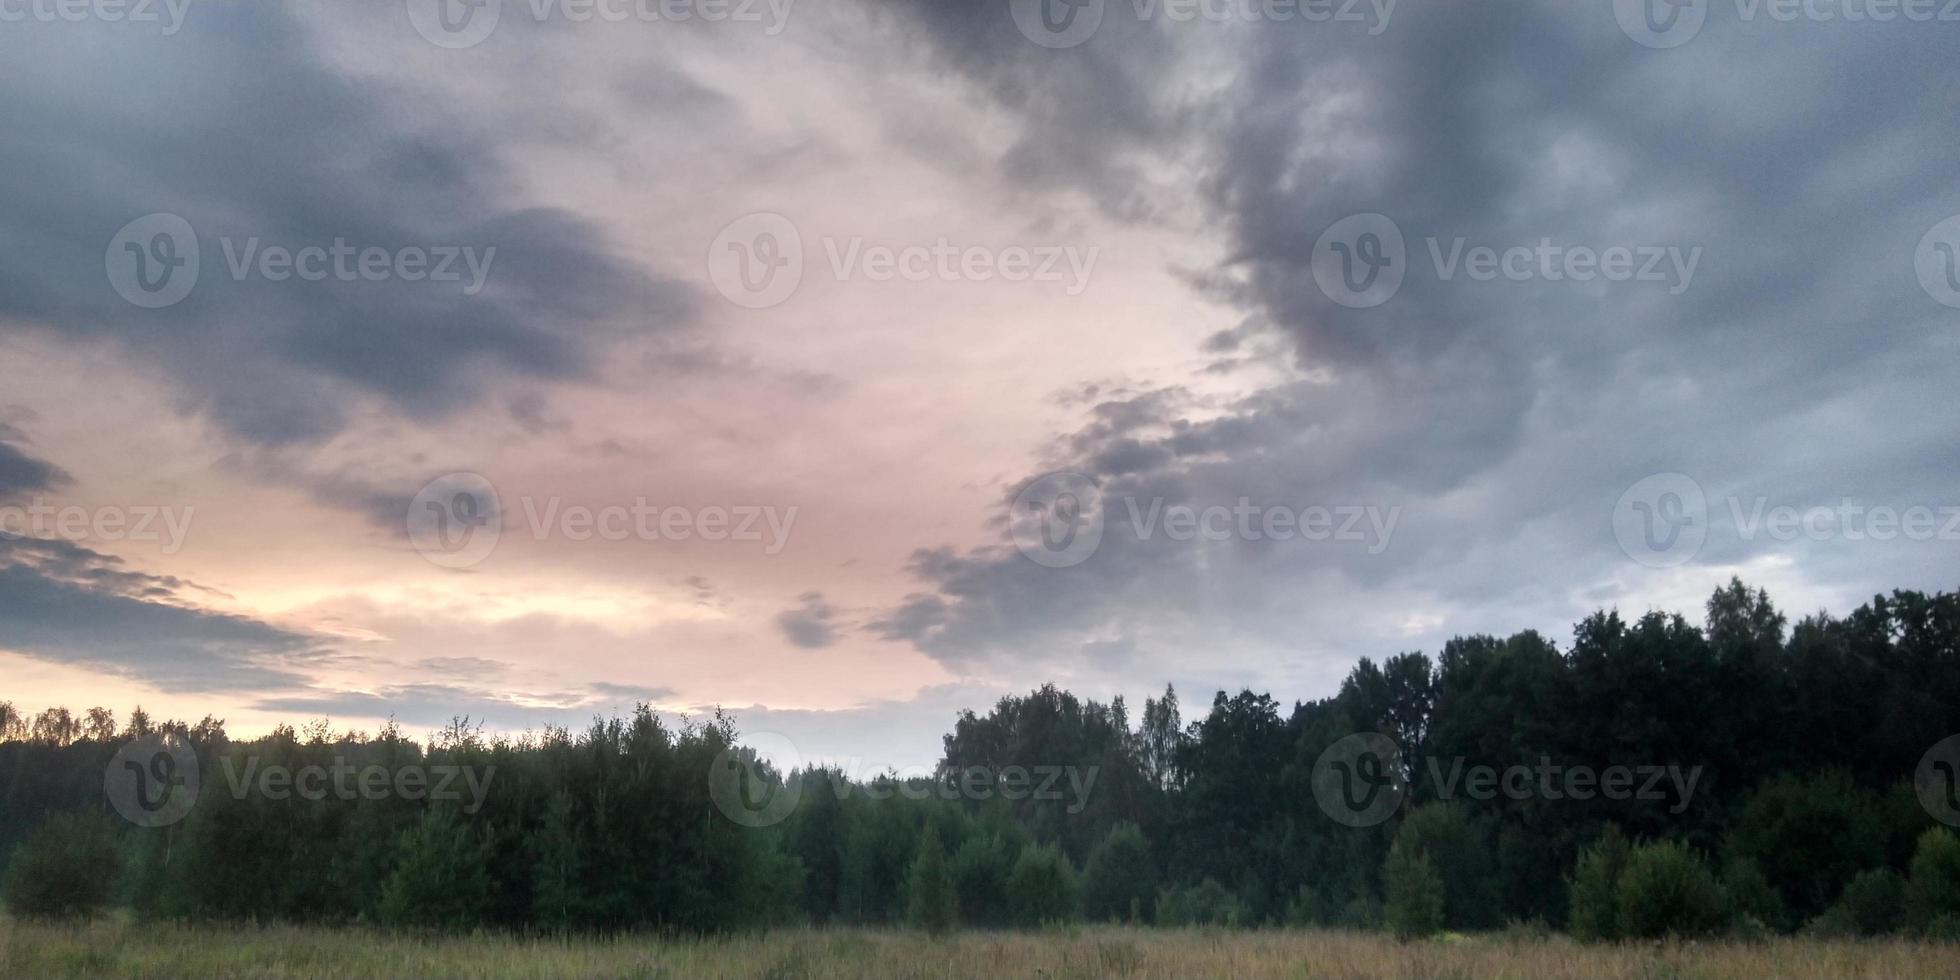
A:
[113,948]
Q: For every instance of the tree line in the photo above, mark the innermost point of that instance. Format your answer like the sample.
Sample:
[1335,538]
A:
[1811,808]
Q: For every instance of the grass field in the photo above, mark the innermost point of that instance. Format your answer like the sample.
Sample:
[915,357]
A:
[111,948]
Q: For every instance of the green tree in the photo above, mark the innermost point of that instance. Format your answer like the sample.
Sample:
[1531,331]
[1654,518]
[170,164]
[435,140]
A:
[1041,888]
[1665,890]
[1121,878]
[66,868]
[931,903]
[1415,906]
[1459,854]
[441,879]
[1595,904]
[1933,886]
[980,871]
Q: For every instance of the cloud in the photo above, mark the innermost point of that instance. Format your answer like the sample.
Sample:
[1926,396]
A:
[438,704]
[1500,419]
[809,625]
[240,126]
[22,475]
[67,604]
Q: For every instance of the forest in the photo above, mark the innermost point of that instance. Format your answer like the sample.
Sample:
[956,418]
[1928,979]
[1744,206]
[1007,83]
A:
[1823,802]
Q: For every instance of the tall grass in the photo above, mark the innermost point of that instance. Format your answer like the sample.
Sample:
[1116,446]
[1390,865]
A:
[117,948]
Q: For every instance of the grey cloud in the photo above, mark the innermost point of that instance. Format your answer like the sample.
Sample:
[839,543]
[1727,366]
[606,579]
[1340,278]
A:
[238,125]
[67,604]
[810,624]
[22,474]
[1503,418]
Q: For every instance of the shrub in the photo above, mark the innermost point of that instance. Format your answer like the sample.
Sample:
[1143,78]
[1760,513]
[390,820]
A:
[1596,887]
[930,901]
[1041,888]
[1753,905]
[1207,903]
[1415,893]
[441,878]
[66,868]
[1461,857]
[1665,890]
[1873,904]
[980,870]
[1933,887]
[1810,837]
[1120,879]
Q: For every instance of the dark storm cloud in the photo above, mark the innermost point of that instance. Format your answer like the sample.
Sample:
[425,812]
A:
[1504,418]
[22,474]
[67,604]
[809,625]
[237,125]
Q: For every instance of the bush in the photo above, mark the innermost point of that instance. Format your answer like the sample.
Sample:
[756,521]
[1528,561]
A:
[1810,837]
[66,868]
[1460,855]
[1204,904]
[1933,887]
[1120,880]
[1415,893]
[1665,890]
[930,902]
[1041,888]
[1754,906]
[441,878]
[980,870]
[1873,904]
[1596,887]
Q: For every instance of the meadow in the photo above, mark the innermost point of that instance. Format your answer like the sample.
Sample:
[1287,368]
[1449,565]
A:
[116,947]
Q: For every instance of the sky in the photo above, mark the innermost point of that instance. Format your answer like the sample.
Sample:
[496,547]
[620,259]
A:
[848,365]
